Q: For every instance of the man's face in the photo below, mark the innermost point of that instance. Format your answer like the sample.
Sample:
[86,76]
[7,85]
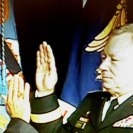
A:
[117,65]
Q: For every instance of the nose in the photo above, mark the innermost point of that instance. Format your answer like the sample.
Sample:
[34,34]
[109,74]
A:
[104,65]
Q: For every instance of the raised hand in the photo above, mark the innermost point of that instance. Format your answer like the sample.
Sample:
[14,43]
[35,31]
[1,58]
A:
[46,75]
[18,105]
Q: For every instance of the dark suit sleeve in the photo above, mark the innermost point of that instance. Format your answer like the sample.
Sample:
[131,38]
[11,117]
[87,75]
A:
[19,126]
[43,108]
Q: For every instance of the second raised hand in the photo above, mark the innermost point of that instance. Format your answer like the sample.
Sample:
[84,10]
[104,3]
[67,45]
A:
[46,74]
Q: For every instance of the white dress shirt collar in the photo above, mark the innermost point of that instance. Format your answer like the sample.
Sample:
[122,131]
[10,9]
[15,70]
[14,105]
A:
[120,99]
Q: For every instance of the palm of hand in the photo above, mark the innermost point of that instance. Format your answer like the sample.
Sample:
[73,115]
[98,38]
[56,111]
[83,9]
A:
[45,79]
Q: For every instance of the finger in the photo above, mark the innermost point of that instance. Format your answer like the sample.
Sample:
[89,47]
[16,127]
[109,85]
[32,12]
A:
[15,88]
[26,92]
[43,54]
[8,108]
[9,76]
[50,55]
[51,59]
[10,90]
[20,85]
[38,59]
[20,74]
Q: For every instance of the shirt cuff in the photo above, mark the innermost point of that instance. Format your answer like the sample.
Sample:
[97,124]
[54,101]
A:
[42,94]
[45,109]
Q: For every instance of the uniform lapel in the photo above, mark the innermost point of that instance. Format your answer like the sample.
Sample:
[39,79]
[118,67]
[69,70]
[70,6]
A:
[118,113]
[96,115]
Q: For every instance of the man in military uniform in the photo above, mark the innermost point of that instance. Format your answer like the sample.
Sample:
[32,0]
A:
[110,110]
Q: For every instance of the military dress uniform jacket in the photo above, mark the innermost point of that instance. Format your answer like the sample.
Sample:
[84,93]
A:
[86,118]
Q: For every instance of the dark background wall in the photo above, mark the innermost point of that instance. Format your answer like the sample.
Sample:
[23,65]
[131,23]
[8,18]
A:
[53,21]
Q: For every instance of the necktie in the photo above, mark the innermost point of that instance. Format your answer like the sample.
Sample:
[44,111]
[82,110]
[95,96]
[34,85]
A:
[112,105]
